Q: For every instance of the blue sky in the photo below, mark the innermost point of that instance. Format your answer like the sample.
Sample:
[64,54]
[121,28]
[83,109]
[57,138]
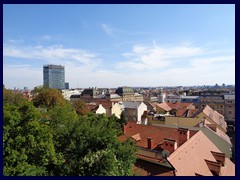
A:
[118,45]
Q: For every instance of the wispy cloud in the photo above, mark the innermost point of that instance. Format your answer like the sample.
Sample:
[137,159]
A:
[116,32]
[150,57]
[108,29]
[46,37]
[142,65]
[55,53]
[14,41]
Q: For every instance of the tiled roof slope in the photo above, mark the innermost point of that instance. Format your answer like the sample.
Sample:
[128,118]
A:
[215,116]
[189,159]
[164,106]
[157,133]
[179,105]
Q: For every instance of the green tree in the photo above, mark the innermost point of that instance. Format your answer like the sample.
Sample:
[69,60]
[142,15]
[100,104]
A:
[28,147]
[93,149]
[48,98]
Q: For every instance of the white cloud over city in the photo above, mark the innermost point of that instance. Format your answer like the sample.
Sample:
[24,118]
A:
[143,65]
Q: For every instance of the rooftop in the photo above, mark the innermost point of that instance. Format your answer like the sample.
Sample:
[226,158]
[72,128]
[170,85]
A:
[190,158]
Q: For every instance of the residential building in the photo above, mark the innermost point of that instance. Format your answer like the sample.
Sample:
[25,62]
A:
[105,107]
[229,108]
[190,99]
[134,111]
[206,115]
[176,152]
[173,98]
[200,157]
[128,94]
[54,76]
[216,102]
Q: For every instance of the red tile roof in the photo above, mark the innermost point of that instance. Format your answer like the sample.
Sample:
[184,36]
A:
[189,159]
[157,133]
[178,105]
[215,116]
[164,106]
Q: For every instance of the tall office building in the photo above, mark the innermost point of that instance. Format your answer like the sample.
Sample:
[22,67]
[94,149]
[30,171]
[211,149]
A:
[54,76]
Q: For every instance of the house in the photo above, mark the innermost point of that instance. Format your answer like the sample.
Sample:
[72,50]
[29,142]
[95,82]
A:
[177,108]
[212,117]
[175,151]
[134,110]
[105,107]
[200,157]
[206,115]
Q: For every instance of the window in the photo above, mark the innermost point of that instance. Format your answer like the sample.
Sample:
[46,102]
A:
[166,144]
[171,145]
[229,106]
[229,112]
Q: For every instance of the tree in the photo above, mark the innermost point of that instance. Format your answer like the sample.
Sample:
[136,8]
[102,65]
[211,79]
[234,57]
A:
[80,108]
[13,97]
[48,98]
[28,143]
[59,142]
[93,149]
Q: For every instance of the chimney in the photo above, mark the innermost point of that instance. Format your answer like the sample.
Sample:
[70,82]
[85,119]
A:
[220,157]
[183,135]
[169,145]
[149,143]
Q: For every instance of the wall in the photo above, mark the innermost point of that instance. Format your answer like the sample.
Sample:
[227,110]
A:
[142,107]
[116,110]
[149,153]
[101,110]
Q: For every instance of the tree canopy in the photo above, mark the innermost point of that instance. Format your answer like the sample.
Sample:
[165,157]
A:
[59,141]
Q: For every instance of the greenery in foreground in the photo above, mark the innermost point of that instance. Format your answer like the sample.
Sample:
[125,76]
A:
[51,137]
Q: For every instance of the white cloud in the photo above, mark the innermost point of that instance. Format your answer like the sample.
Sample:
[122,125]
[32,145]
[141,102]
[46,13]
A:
[46,37]
[14,41]
[151,57]
[52,54]
[143,65]
[107,29]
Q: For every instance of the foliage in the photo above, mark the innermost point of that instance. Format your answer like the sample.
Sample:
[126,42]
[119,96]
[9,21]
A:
[28,144]
[48,98]
[13,97]
[59,141]
[80,108]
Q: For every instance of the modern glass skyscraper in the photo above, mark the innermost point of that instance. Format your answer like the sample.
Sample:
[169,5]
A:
[54,76]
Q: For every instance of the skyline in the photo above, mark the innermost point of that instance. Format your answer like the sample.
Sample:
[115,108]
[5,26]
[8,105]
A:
[120,45]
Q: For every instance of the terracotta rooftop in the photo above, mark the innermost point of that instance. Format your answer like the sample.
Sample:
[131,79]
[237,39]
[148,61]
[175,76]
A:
[178,105]
[157,133]
[164,106]
[190,158]
[215,116]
